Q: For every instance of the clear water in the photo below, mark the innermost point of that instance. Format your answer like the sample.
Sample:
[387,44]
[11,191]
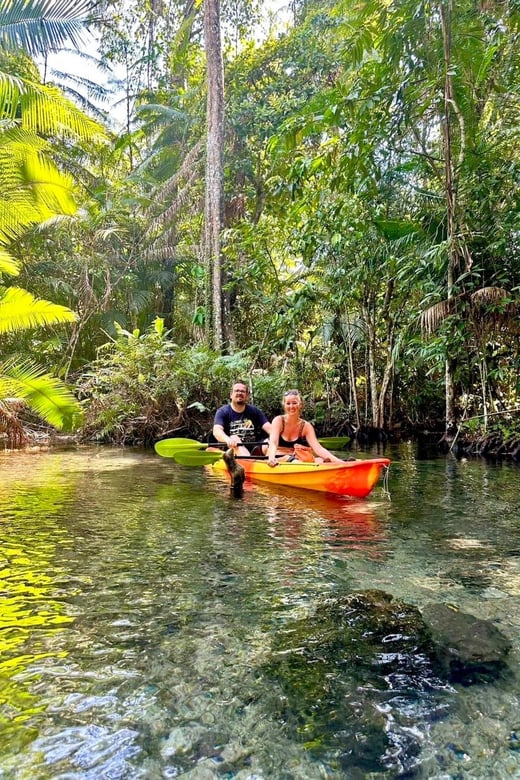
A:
[140,603]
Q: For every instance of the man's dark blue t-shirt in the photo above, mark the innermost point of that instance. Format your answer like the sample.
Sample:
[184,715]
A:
[247,424]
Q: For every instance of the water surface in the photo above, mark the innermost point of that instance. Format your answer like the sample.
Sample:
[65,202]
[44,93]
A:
[140,605]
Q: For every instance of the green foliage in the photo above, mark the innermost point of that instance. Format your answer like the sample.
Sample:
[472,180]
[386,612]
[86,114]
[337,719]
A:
[33,189]
[39,26]
[139,383]
[336,237]
[22,380]
[143,384]
[45,395]
[19,310]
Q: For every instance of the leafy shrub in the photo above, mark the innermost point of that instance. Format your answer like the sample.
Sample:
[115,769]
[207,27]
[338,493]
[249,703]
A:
[144,385]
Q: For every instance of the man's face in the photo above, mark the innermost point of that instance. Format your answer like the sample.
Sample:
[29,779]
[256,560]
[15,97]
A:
[239,394]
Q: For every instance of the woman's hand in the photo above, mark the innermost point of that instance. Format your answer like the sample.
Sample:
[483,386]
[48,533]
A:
[272,462]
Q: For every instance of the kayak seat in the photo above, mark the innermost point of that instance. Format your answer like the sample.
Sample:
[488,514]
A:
[257,451]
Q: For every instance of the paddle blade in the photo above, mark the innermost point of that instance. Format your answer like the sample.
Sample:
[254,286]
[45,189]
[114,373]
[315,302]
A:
[167,448]
[334,442]
[195,458]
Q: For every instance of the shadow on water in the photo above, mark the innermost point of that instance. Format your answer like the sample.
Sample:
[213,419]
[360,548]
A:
[154,627]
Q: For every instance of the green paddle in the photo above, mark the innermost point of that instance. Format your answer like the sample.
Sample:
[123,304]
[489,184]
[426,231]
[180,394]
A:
[190,452]
[168,448]
[334,442]
[195,457]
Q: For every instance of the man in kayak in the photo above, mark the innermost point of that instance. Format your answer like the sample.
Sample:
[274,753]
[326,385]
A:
[238,422]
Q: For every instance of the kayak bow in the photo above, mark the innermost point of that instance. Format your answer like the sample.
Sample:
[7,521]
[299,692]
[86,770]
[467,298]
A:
[349,478]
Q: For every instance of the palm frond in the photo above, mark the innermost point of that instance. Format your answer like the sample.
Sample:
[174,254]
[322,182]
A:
[10,424]
[16,215]
[90,61]
[69,82]
[50,188]
[494,308]
[43,108]
[32,189]
[25,174]
[432,317]
[40,26]
[489,307]
[486,296]
[47,396]
[19,310]
[7,264]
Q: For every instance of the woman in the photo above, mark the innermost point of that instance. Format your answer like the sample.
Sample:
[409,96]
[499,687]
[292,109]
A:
[293,438]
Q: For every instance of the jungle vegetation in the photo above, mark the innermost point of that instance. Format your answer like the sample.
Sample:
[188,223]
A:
[330,202]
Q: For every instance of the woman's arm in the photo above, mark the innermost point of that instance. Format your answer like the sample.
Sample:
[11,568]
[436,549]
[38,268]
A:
[274,437]
[317,448]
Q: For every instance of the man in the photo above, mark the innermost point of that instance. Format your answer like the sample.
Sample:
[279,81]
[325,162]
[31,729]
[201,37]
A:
[238,422]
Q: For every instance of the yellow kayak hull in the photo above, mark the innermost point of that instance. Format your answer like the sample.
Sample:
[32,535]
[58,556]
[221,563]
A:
[349,478]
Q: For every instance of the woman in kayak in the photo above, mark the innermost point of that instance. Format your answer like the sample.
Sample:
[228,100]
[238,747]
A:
[292,438]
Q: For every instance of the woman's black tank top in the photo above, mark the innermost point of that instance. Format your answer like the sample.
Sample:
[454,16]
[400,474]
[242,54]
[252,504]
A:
[300,440]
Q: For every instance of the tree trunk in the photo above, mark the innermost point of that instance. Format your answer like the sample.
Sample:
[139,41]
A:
[352,375]
[214,210]
[381,419]
[450,195]
[372,373]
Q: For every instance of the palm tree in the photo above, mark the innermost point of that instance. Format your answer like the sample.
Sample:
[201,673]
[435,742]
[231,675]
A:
[214,202]
[33,189]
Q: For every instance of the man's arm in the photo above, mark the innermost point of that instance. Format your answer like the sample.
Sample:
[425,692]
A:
[219,431]
[220,434]
[220,423]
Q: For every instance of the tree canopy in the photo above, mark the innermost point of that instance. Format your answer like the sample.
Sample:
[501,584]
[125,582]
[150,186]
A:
[367,236]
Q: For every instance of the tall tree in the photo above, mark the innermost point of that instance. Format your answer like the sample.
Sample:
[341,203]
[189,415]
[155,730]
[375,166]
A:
[214,198]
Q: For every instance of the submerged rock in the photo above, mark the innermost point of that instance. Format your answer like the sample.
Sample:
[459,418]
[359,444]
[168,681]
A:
[360,680]
[357,683]
[469,649]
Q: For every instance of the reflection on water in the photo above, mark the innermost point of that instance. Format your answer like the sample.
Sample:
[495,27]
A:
[140,604]
[320,518]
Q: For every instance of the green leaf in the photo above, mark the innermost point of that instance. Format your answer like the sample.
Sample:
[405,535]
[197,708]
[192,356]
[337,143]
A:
[20,310]
[44,394]
[39,26]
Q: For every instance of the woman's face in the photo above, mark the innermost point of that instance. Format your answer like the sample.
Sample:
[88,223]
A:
[292,402]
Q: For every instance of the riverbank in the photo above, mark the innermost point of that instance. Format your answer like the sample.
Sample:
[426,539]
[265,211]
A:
[140,432]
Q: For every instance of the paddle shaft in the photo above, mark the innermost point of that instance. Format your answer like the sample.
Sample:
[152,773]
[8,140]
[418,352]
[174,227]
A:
[242,444]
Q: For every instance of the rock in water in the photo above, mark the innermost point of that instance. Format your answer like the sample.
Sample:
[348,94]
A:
[469,649]
[236,472]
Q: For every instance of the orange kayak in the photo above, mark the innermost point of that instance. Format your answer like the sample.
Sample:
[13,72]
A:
[348,478]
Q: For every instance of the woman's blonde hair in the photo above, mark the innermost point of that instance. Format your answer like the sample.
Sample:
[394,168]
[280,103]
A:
[293,392]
